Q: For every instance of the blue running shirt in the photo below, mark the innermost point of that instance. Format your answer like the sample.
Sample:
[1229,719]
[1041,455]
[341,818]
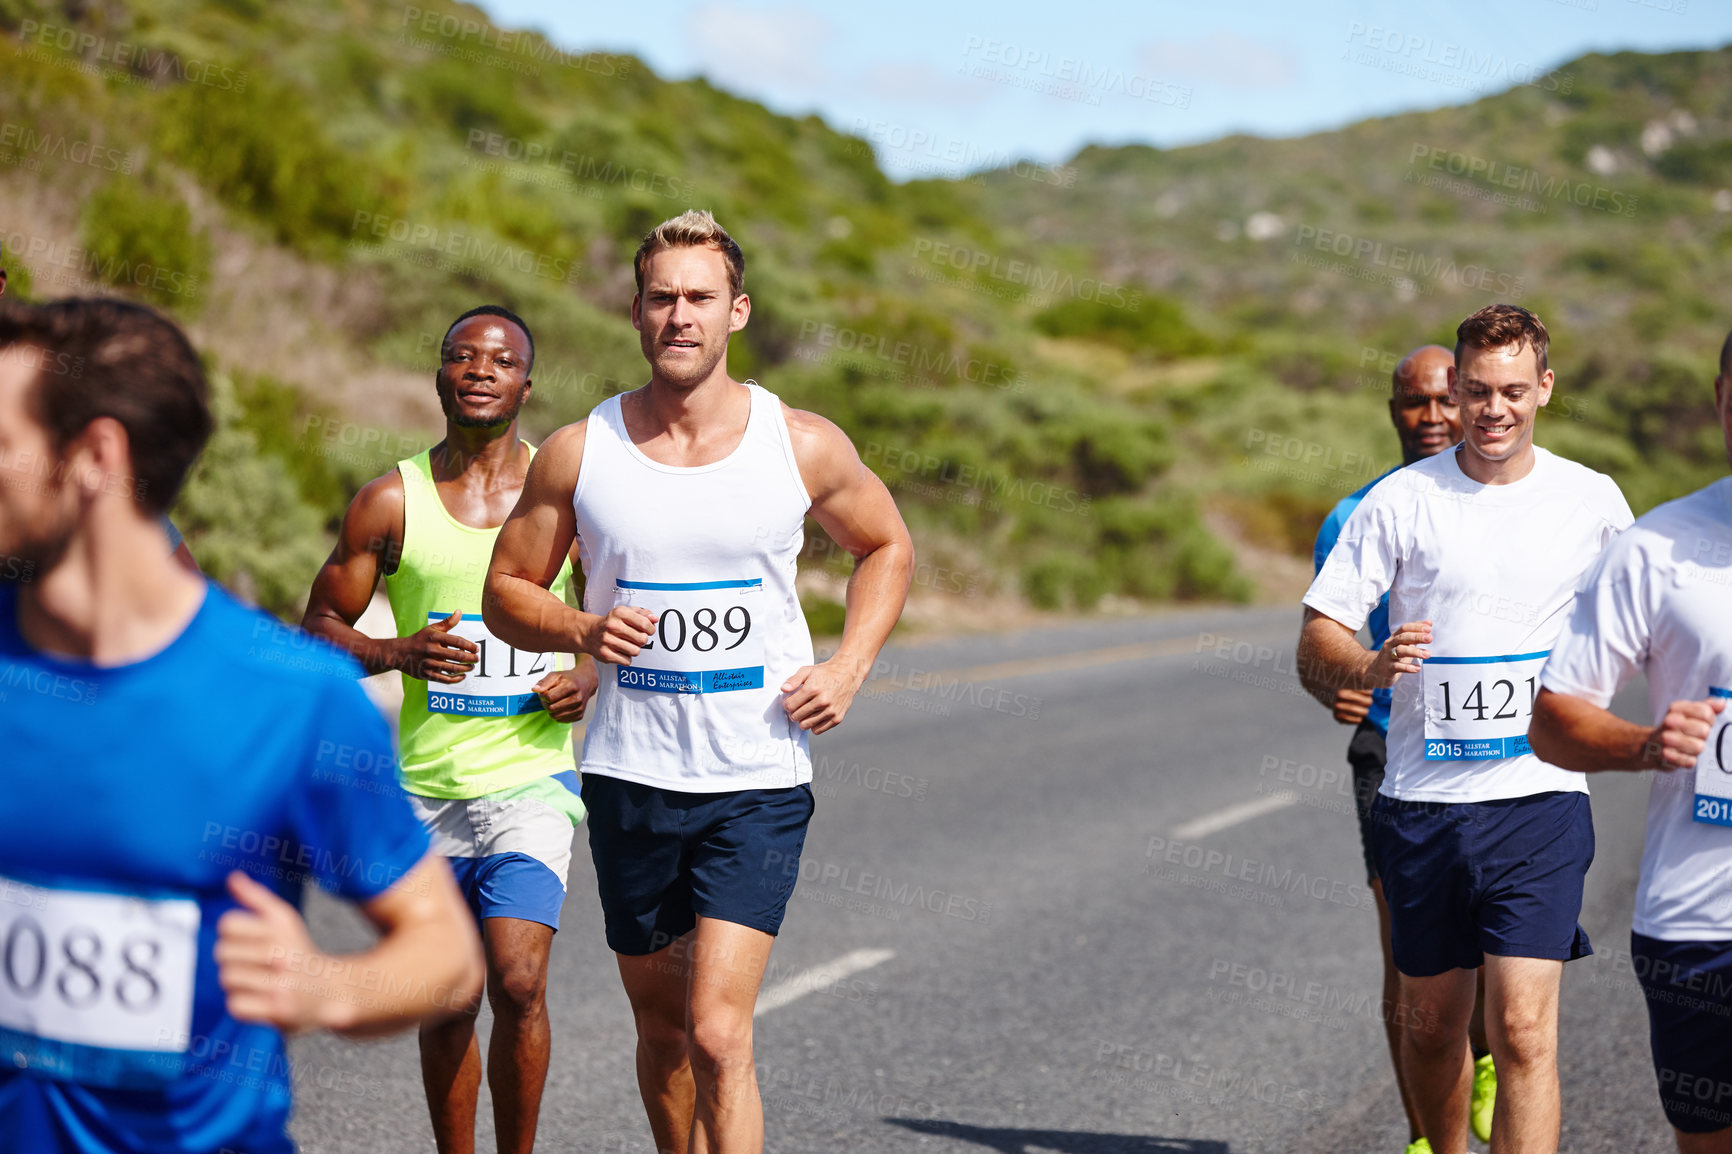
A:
[127,795]
[1378,622]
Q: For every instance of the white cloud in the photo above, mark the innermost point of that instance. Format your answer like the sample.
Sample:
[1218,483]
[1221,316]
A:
[917,82]
[1225,59]
[758,49]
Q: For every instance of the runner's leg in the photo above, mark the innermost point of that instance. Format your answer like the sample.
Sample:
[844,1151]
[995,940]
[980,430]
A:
[1718,1142]
[518,1051]
[1522,1025]
[656,984]
[1391,1019]
[1434,1056]
[727,968]
[451,1076]
[1367,754]
[1476,1024]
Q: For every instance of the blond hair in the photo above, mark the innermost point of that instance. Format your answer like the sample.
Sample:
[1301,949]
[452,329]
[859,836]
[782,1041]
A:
[692,228]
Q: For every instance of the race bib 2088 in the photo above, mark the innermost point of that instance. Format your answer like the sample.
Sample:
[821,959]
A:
[96,987]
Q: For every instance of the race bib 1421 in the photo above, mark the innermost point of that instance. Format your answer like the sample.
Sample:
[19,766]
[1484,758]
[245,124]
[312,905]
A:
[1714,767]
[1480,707]
[502,682]
[709,636]
[95,987]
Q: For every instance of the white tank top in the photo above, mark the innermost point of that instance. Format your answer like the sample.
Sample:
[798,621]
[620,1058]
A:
[712,552]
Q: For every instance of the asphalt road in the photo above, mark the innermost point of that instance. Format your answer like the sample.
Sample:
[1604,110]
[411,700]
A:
[1106,888]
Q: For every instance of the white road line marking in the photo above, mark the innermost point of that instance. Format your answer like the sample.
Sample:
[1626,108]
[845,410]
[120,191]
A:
[817,977]
[1231,816]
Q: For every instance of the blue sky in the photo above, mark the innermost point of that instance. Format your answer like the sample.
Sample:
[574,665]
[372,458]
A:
[943,87]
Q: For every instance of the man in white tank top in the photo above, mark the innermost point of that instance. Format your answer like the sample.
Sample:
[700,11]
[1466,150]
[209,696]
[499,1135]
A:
[687,500]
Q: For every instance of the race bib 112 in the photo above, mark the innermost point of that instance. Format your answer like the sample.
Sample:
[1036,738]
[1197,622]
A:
[96,988]
[1477,708]
[502,682]
[709,636]
[1714,767]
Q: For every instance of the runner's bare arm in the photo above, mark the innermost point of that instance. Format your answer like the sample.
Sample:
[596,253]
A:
[855,508]
[1330,656]
[1576,734]
[1321,682]
[1349,706]
[367,545]
[372,527]
[426,965]
[566,692]
[519,607]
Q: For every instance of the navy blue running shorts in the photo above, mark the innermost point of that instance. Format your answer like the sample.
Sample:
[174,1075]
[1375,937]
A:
[1688,986]
[1467,879]
[1367,753]
[664,858]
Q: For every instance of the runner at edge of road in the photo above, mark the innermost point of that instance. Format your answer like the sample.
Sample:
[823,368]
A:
[1660,604]
[485,730]
[1481,847]
[179,767]
[687,500]
[1426,423]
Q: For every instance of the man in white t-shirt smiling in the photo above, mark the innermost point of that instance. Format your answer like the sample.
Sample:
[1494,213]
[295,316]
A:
[1660,603]
[1482,846]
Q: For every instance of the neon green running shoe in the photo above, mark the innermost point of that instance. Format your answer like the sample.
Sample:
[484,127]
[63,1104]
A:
[1484,1098]
[1419,1146]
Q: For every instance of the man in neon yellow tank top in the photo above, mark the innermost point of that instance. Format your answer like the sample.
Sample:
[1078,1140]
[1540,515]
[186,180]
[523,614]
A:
[687,500]
[484,735]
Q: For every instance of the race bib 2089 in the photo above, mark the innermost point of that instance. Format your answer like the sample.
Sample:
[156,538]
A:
[709,636]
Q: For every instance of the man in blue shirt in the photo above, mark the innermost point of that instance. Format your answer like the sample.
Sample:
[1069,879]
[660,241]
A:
[177,768]
[1426,424]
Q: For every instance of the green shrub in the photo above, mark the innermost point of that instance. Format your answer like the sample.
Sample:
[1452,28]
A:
[1155,325]
[1060,579]
[465,98]
[1696,162]
[262,150]
[245,520]
[285,426]
[17,278]
[144,242]
[824,617]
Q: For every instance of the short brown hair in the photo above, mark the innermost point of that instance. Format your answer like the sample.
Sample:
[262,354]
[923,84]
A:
[692,228]
[111,358]
[1499,326]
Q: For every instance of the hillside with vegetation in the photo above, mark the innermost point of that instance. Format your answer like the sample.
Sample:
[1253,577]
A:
[1136,377]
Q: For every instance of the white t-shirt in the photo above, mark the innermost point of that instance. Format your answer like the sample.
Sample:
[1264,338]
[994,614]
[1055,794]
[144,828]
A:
[1661,602]
[1495,569]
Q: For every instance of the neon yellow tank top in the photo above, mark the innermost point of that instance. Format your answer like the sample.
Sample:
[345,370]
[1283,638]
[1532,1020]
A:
[488,732]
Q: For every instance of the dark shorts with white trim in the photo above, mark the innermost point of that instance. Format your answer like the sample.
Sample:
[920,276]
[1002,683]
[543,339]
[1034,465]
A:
[1467,879]
[664,858]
